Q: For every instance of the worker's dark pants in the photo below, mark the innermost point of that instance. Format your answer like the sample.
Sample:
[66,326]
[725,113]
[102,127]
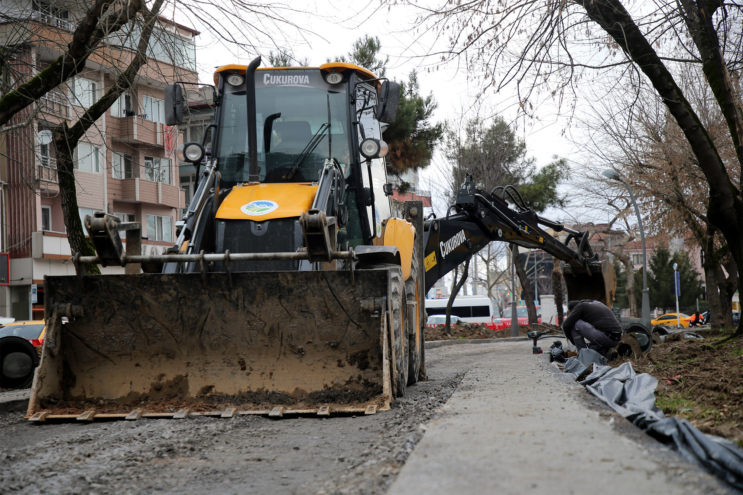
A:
[599,341]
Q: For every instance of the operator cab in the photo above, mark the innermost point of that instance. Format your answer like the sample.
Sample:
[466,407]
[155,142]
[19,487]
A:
[306,120]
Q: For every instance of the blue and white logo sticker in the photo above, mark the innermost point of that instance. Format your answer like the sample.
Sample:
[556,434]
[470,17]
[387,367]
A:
[259,208]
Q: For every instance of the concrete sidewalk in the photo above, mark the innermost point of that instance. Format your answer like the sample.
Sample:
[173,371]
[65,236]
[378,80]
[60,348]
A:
[513,427]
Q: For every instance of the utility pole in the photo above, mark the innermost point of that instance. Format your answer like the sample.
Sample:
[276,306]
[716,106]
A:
[514,312]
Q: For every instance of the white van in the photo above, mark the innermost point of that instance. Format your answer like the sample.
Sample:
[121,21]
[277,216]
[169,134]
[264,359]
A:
[469,309]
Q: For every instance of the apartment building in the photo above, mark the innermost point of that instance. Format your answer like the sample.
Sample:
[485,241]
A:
[125,165]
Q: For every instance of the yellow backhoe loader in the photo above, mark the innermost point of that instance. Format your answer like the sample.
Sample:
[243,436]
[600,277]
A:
[294,287]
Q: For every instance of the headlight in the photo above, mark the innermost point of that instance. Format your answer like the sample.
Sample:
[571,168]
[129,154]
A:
[383,149]
[374,148]
[190,152]
[235,80]
[334,78]
[370,148]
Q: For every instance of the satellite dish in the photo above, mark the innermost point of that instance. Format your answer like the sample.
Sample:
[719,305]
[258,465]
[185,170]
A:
[45,136]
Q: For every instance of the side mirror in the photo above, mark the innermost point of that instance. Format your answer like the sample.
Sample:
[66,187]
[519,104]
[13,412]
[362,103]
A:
[173,104]
[389,97]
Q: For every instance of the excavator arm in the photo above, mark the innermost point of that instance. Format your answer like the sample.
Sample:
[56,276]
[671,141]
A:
[480,218]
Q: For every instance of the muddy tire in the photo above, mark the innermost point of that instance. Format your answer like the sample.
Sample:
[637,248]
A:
[397,310]
[413,319]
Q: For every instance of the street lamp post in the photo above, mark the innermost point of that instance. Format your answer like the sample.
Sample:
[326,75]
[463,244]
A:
[614,175]
[676,291]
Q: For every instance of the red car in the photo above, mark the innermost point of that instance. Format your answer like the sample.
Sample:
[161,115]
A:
[521,314]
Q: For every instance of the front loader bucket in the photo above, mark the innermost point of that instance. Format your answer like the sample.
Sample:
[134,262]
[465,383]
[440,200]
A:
[596,285]
[245,343]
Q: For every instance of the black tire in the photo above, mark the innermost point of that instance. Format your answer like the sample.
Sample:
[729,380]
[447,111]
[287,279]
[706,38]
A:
[413,319]
[18,361]
[398,308]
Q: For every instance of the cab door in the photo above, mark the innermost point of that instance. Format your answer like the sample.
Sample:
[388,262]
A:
[381,209]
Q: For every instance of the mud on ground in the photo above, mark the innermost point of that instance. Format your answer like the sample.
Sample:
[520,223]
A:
[471,331]
[244,454]
[699,380]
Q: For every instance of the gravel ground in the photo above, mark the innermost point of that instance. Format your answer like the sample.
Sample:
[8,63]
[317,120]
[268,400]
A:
[244,454]
[247,454]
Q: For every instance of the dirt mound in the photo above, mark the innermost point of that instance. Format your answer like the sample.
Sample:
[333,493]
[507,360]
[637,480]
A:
[470,331]
[699,380]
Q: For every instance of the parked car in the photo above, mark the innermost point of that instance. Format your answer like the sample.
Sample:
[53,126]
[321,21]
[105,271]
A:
[20,343]
[34,331]
[670,319]
[435,320]
[736,317]
[522,314]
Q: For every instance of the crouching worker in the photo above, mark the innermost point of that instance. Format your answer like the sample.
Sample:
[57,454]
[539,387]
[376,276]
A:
[594,322]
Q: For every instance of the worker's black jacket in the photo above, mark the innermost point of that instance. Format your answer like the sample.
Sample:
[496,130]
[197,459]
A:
[595,313]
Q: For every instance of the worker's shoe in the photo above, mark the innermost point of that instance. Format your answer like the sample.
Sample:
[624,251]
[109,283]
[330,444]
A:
[612,354]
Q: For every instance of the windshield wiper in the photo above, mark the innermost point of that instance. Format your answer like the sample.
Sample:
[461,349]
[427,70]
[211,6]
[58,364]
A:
[306,151]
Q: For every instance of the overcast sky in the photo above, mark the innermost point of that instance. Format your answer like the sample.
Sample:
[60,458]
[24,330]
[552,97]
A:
[337,24]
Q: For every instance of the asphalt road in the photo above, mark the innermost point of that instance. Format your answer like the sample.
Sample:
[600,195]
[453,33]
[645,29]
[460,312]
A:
[336,455]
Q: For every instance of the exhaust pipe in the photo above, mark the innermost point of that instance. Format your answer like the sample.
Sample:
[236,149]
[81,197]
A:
[252,128]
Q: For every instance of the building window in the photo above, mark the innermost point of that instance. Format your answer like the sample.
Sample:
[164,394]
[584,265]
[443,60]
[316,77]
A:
[126,217]
[188,185]
[83,213]
[48,13]
[154,109]
[159,228]
[123,106]
[87,158]
[196,133]
[84,92]
[46,218]
[123,166]
[157,169]
[637,259]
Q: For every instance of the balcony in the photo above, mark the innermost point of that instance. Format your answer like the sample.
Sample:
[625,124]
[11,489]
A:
[46,169]
[51,20]
[136,130]
[145,191]
[55,103]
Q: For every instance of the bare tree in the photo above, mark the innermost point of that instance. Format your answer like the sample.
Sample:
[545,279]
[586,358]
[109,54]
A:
[553,46]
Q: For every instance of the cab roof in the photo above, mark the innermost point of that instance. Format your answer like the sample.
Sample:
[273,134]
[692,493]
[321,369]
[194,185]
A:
[331,67]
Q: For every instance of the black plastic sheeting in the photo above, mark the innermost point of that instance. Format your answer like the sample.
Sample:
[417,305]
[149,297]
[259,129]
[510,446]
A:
[633,396]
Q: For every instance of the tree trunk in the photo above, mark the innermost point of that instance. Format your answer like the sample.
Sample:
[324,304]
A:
[67,138]
[726,298]
[68,194]
[456,286]
[710,274]
[557,290]
[526,289]
[629,268]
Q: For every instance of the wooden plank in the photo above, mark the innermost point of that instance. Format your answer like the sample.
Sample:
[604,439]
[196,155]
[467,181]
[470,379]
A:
[182,414]
[86,416]
[254,413]
[323,411]
[300,411]
[277,412]
[134,415]
[229,412]
[39,417]
[157,415]
[371,409]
